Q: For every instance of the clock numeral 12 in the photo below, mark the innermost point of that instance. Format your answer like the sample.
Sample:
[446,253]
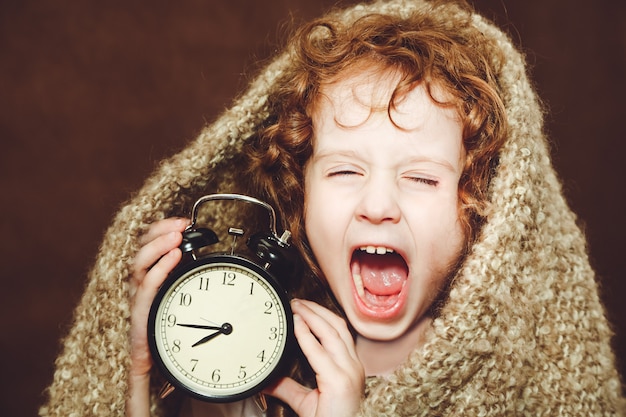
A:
[229,278]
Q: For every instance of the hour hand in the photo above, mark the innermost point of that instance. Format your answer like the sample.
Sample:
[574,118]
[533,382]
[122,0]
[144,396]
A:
[207,338]
[225,328]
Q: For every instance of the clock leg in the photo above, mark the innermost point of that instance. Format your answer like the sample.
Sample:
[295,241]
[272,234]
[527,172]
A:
[166,390]
[261,402]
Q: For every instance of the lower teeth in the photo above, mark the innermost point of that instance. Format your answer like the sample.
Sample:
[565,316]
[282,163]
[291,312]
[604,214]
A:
[358,283]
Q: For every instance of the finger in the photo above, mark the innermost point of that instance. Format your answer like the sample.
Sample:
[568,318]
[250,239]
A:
[323,348]
[161,269]
[142,298]
[340,378]
[149,285]
[154,249]
[320,319]
[290,392]
[161,227]
[154,262]
[337,322]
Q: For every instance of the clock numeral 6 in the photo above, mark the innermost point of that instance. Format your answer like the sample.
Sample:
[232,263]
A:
[215,376]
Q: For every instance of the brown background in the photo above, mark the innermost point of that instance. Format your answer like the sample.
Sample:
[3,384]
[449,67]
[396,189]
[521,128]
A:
[93,93]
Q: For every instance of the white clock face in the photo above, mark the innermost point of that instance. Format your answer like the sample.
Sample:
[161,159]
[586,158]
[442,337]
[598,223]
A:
[220,330]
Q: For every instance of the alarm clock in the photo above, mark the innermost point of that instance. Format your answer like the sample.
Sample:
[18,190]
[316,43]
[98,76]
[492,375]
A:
[220,327]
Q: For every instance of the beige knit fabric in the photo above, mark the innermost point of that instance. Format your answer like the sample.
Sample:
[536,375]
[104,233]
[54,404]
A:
[523,331]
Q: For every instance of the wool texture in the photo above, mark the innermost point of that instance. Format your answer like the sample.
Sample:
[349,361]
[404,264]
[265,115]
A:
[522,331]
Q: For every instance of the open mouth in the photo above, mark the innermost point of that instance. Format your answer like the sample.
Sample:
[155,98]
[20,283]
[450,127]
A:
[380,276]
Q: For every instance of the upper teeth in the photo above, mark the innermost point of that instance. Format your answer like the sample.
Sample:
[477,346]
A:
[380,250]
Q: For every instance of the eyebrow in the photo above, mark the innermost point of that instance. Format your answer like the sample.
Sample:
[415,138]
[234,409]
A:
[437,161]
[332,152]
[326,154]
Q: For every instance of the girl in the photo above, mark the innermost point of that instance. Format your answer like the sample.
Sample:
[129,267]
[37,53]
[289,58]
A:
[409,142]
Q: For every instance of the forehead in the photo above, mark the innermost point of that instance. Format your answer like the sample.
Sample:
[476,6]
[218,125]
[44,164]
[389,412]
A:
[354,118]
[355,96]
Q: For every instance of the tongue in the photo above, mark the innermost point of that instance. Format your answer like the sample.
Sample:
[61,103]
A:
[382,274]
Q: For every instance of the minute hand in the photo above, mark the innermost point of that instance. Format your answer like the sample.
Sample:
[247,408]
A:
[200,326]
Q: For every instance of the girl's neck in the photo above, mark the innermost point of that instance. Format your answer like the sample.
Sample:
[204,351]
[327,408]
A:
[382,357]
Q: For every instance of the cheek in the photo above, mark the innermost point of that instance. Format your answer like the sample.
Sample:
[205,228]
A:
[319,208]
[445,231]
[452,242]
[316,225]
[314,216]
[324,230]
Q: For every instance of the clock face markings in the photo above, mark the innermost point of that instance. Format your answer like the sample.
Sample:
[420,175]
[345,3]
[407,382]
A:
[227,358]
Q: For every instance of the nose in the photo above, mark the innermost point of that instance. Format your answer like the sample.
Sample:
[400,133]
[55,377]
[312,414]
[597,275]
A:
[379,203]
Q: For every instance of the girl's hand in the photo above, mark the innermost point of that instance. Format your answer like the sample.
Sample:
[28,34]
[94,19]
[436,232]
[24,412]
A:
[159,254]
[329,347]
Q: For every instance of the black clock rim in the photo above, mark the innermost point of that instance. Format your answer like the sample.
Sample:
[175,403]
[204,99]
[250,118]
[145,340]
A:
[290,342]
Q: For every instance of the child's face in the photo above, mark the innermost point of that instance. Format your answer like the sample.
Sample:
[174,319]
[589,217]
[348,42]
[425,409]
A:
[371,186]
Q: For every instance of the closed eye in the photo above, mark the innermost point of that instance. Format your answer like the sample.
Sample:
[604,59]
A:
[427,181]
[341,173]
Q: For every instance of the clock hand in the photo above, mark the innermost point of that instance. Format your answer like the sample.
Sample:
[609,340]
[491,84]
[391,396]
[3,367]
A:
[207,338]
[226,328]
[200,326]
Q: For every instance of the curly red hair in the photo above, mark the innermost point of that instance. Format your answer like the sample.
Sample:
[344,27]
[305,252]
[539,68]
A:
[440,55]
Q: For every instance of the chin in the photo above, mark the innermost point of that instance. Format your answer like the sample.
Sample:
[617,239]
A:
[379,330]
